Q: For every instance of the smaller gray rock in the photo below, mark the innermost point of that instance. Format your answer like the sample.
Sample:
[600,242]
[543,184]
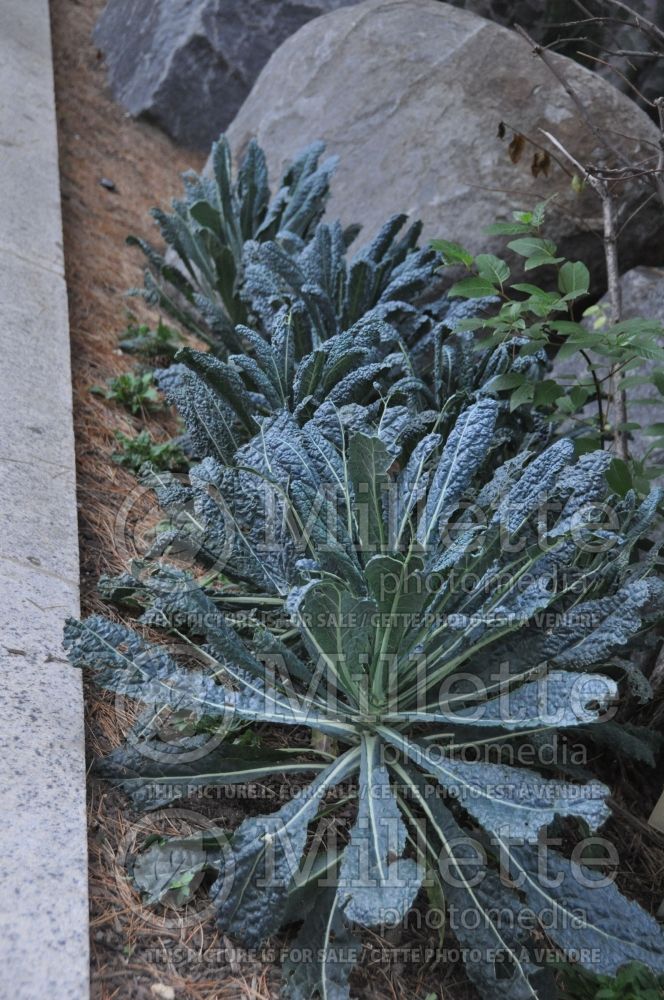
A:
[187,65]
[643,296]
[643,293]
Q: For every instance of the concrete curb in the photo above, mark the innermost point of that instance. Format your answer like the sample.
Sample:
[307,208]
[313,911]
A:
[43,875]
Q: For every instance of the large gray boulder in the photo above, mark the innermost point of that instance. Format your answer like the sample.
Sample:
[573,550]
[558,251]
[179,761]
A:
[187,65]
[410,94]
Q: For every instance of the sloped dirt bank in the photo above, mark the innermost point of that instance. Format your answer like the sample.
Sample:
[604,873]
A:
[136,957]
[133,956]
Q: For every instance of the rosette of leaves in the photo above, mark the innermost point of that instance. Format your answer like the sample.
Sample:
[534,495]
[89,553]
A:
[391,594]
[224,402]
[390,280]
[400,415]
[235,258]
[384,279]
[197,281]
[243,516]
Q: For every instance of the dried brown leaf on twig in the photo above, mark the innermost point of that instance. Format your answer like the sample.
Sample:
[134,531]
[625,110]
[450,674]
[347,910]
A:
[541,163]
[516,147]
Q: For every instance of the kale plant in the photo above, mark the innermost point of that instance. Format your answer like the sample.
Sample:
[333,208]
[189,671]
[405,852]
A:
[294,324]
[365,372]
[198,281]
[234,257]
[332,293]
[399,591]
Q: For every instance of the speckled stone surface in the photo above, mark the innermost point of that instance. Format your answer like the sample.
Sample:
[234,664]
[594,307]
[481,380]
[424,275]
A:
[43,874]
[642,295]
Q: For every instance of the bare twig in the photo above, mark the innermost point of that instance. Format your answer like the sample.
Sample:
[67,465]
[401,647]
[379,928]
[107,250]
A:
[571,93]
[615,300]
[640,22]
[632,138]
[628,53]
[598,395]
[601,188]
[614,24]
[618,72]
[621,173]
[584,171]
[659,176]
[591,19]
[636,211]
[654,177]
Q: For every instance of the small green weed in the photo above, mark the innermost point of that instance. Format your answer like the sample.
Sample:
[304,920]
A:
[163,342]
[136,392]
[136,452]
[633,982]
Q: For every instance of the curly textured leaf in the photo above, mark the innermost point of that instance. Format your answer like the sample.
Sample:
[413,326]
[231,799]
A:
[506,798]
[559,699]
[582,904]
[464,451]
[331,949]
[251,897]
[484,914]
[377,885]
[171,869]
[154,774]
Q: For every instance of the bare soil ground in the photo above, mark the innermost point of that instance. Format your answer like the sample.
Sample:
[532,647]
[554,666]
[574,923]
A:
[137,955]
